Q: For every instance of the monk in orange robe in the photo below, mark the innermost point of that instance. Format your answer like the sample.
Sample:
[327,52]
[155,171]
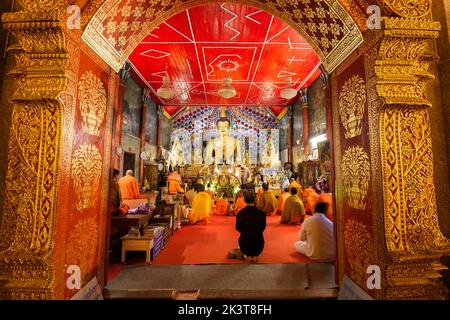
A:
[267,202]
[239,203]
[129,187]
[174,181]
[311,198]
[296,185]
[281,200]
[201,206]
[222,206]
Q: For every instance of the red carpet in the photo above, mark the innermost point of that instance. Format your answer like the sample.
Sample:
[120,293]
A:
[210,244]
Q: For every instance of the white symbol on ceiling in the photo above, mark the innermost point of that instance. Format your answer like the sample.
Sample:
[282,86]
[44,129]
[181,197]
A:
[156,55]
[231,20]
[210,74]
[228,65]
[251,14]
[283,74]
[296,60]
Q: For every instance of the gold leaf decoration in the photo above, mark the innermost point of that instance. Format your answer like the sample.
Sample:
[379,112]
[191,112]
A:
[92,95]
[359,250]
[86,173]
[82,247]
[356,176]
[352,99]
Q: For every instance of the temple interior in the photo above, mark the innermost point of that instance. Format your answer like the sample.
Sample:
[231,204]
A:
[241,150]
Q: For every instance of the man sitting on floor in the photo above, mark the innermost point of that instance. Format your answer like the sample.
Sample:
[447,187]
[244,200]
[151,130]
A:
[293,211]
[222,206]
[267,201]
[316,236]
[201,206]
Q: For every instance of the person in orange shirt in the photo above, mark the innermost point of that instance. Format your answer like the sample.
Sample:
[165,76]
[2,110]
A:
[281,200]
[129,186]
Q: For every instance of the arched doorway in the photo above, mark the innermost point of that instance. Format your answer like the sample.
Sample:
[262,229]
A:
[401,234]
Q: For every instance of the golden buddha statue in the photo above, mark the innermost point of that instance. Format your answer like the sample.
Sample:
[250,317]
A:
[224,148]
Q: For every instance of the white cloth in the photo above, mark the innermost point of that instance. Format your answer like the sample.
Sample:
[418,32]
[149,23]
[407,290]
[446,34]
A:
[316,238]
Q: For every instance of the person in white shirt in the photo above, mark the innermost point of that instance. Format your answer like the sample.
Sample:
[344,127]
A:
[316,236]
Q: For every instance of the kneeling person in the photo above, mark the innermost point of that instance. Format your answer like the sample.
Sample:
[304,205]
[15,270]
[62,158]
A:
[251,223]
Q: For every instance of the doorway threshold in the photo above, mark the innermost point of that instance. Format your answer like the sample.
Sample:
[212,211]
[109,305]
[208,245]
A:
[228,282]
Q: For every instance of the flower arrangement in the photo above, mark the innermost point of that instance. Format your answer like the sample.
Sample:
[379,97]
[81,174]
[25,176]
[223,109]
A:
[322,184]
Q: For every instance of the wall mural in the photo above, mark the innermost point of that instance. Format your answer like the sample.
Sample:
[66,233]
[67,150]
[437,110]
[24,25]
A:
[151,121]
[284,133]
[132,108]
[297,112]
[352,99]
[317,117]
[167,130]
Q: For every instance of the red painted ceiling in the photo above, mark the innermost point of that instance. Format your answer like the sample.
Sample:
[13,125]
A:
[202,45]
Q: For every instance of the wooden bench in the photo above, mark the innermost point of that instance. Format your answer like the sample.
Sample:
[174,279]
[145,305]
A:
[143,243]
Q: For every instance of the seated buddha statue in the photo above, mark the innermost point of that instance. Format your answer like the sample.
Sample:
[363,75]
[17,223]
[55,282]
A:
[224,148]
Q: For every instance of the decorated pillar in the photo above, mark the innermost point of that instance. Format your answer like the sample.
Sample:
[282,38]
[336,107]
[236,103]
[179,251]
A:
[304,104]
[412,236]
[28,225]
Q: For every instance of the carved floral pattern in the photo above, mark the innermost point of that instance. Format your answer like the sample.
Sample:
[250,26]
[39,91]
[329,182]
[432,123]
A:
[352,100]
[86,174]
[356,176]
[359,250]
[92,95]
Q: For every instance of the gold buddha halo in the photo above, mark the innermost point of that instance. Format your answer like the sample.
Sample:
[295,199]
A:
[356,176]
[86,173]
[352,99]
[359,250]
[92,95]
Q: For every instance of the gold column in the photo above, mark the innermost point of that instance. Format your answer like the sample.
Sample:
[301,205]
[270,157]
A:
[412,236]
[28,222]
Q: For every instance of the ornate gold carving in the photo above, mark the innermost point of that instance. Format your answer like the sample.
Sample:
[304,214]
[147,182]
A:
[28,220]
[86,173]
[359,250]
[352,100]
[410,209]
[412,235]
[82,247]
[410,8]
[404,59]
[356,176]
[92,95]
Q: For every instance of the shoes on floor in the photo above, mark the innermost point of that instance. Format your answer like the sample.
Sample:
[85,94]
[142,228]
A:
[251,259]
